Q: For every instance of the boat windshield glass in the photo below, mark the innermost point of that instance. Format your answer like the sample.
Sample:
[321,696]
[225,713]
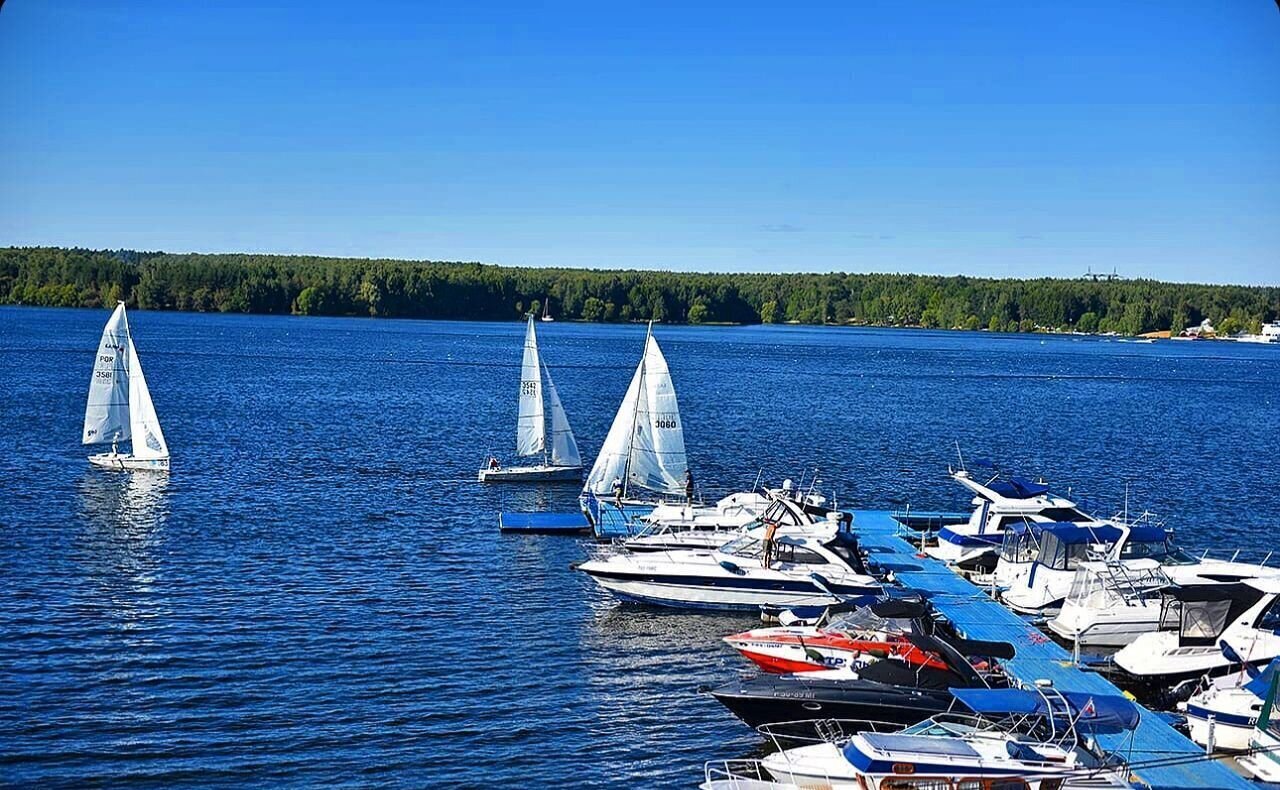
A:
[864,620]
[1162,550]
[1065,514]
[1019,545]
[744,546]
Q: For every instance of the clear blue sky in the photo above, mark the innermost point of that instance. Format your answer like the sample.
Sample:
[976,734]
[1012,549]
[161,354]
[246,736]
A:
[981,138]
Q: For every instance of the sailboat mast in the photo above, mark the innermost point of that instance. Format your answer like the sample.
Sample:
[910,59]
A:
[635,413]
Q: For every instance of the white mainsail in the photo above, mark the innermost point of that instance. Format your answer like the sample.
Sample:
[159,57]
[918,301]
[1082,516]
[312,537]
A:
[530,425]
[658,460]
[645,444]
[564,448]
[106,414]
[148,440]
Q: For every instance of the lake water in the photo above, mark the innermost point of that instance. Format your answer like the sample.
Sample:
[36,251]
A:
[318,593]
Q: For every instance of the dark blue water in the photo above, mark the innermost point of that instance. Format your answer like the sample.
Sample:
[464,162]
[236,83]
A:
[318,593]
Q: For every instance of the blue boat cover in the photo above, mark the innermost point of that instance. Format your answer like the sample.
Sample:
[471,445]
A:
[1261,683]
[1018,488]
[1068,532]
[919,744]
[1098,711]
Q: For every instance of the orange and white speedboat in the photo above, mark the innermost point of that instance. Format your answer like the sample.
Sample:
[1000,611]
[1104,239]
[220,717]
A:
[850,640]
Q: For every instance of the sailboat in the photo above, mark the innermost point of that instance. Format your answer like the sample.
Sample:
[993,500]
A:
[560,457]
[643,457]
[119,408]
[546,311]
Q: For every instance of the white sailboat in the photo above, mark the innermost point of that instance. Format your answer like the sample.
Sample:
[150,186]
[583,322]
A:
[119,407]
[643,456]
[560,457]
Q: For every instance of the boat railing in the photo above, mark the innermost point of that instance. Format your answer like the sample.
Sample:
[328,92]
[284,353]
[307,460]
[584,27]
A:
[739,775]
[784,733]
[1235,555]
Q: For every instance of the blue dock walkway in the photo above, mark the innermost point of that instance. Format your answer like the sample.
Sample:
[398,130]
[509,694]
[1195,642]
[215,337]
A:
[1037,657]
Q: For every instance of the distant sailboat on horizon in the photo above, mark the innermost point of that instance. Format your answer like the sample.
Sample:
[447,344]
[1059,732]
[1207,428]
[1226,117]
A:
[561,459]
[119,406]
[546,310]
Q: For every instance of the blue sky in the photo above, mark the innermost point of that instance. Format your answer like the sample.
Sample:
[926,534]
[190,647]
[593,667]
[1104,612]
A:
[994,139]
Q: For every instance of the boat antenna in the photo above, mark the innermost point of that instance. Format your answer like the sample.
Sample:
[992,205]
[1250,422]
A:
[960,455]
[759,474]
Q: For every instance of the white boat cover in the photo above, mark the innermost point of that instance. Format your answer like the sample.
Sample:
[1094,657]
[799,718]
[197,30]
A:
[106,414]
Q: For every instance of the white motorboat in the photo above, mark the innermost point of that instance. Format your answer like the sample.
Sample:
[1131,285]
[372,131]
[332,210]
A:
[119,407]
[1039,583]
[1243,615]
[1113,601]
[1262,762]
[642,463]
[811,565]
[1223,712]
[560,457]
[781,508]
[1035,740]
[1000,502]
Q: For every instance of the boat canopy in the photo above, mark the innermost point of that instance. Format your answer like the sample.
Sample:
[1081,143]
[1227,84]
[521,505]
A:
[1072,534]
[1097,710]
[1018,488]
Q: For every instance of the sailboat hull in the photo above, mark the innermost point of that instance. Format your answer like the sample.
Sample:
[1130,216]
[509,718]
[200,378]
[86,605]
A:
[530,474]
[125,463]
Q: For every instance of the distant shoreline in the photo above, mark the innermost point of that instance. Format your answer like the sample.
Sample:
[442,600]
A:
[308,285]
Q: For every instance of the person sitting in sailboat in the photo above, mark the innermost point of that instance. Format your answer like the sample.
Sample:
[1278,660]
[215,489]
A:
[493,463]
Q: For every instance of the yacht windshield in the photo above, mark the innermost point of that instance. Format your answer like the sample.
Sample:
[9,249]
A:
[1161,550]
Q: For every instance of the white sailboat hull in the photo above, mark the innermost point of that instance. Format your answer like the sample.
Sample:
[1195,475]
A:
[124,462]
[530,474]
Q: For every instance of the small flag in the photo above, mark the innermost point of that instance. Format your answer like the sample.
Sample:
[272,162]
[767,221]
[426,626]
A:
[1089,709]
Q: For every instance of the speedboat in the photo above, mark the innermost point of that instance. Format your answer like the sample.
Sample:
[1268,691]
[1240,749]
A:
[887,690]
[1041,584]
[853,638]
[810,565]
[1036,740]
[1000,501]
[1244,615]
[1223,712]
[781,507]
[1112,602]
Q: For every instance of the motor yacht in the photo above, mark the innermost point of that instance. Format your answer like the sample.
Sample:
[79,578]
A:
[1000,501]
[1113,601]
[781,507]
[1245,616]
[1038,582]
[810,565]
[1036,740]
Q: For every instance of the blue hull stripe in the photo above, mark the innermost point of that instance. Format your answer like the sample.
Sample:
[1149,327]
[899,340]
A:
[736,583]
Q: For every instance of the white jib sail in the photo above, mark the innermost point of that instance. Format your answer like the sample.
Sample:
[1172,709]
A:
[106,414]
[658,460]
[148,440]
[531,426]
[564,448]
[611,463]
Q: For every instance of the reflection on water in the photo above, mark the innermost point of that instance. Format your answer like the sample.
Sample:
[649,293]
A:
[122,517]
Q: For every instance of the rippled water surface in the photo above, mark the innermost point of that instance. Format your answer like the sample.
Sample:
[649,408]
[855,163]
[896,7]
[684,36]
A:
[318,593]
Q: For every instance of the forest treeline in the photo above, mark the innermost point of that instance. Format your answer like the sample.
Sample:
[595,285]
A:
[306,285]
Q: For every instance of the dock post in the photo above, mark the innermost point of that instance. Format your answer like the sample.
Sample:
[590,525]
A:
[1209,739]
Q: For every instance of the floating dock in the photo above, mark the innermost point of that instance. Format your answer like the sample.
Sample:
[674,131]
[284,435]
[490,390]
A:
[1038,657]
[544,523]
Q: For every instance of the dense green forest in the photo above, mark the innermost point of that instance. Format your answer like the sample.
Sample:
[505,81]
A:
[429,289]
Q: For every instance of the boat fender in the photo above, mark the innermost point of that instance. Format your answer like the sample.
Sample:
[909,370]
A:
[732,568]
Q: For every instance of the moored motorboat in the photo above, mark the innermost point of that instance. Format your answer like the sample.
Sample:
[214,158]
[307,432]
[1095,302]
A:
[781,508]
[1035,740]
[1223,712]
[812,565]
[1245,616]
[119,406]
[853,639]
